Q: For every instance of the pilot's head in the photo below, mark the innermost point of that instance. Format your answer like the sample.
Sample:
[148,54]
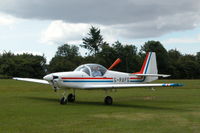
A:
[96,68]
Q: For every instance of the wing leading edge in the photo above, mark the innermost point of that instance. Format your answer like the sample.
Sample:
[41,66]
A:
[32,80]
[110,86]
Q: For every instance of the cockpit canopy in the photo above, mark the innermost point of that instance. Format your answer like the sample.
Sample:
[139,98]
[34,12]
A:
[94,70]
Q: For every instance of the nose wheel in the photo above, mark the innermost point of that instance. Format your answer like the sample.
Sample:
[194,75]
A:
[108,100]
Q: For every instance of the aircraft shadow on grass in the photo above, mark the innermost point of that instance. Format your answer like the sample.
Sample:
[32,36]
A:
[91,103]
[42,99]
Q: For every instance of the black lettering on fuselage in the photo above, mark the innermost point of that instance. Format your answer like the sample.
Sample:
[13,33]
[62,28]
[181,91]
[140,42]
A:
[121,79]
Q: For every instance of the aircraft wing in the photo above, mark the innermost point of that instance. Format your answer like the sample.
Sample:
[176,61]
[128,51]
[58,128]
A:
[32,80]
[110,86]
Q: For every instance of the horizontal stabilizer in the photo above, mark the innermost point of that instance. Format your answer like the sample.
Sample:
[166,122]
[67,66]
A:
[32,80]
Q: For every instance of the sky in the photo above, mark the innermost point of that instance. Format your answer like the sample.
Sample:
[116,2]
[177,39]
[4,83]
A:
[40,26]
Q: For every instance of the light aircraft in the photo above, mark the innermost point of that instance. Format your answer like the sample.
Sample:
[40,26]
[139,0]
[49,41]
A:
[95,76]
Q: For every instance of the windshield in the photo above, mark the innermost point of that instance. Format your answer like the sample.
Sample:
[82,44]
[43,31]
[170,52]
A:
[83,68]
[94,70]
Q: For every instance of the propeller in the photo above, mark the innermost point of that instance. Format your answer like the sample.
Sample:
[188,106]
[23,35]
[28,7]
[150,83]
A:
[53,79]
[54,82]
[115,64]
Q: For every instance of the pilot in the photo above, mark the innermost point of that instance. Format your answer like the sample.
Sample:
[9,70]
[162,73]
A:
[96,71]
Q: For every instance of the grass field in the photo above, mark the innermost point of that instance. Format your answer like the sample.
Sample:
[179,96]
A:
[34,108]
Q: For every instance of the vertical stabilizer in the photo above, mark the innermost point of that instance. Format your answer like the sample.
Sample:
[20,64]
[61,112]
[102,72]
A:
[149,67]
[151,64]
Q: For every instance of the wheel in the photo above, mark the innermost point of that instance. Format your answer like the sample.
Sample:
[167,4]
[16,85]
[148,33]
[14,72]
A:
[63,100]
[108,100]
[71,98]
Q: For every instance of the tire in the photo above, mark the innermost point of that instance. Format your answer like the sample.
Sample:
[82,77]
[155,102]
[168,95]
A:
[108,100]
[63,100]
[71,98]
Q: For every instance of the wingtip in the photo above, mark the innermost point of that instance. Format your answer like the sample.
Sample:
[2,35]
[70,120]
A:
[173,85]
[180,85]
[177,85]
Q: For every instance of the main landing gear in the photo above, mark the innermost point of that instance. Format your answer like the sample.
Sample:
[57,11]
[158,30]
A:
[69,98]
[108,100]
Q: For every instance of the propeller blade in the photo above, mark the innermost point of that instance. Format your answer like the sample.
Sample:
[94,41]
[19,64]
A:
[115,63]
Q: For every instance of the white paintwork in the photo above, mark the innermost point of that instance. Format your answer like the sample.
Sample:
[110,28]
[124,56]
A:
[32,80]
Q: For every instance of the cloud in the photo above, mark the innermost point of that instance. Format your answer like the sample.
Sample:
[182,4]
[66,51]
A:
[7,20]
[60,32]
[184,40]
[133,18]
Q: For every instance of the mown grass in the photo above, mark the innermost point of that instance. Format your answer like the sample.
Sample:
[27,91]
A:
[34,108]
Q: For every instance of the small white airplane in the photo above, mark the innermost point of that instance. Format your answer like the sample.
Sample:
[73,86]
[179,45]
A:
[95,76]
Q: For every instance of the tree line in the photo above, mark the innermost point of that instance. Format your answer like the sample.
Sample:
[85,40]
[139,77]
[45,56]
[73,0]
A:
[68,57]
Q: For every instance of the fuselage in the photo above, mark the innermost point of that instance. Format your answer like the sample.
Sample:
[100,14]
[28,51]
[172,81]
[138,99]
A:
[80,80]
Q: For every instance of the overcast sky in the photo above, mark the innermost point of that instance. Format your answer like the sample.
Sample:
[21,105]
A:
[40,26]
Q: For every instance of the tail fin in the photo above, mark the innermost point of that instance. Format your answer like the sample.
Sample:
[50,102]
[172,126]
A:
[149,67]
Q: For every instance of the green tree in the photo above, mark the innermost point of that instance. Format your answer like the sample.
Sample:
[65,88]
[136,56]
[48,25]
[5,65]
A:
[31,66]
[174,55]
[67,58]
[94,42]
[7,63]
[128,54]
[198,57]
[106,56]
[22,65]
[189,67]
[174,63]
[60,64]
[67,50]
